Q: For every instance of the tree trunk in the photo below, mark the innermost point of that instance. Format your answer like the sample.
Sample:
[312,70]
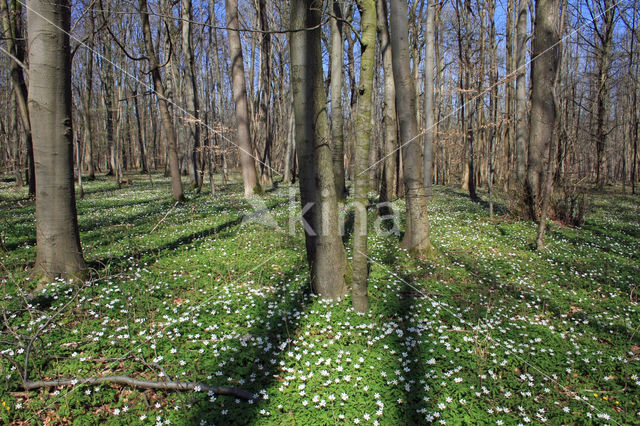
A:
[191,93]
[390,122]
[605,39]
[416,238]
[359,292]
[325,252]
[337,119]
[542,119]
[521,98]
[59,253]
[493,101]
[264,122]
[13,30]
[167,123]
[429,81]
[249,176]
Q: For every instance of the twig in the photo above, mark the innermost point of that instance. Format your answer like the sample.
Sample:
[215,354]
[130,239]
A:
[144,384]
[165,216]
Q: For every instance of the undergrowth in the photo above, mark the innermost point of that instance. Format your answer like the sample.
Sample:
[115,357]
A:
[487,331]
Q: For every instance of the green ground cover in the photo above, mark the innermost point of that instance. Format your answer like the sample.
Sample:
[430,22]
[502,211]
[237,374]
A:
[488,331]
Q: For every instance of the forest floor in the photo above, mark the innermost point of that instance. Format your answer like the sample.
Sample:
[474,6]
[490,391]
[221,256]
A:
[488,331]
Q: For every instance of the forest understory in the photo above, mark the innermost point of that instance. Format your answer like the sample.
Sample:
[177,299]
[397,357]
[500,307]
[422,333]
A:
[488,330]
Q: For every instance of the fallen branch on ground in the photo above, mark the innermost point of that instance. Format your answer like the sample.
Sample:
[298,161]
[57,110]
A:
[144,384]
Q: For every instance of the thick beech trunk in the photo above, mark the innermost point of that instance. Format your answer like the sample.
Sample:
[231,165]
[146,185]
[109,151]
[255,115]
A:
[59,253]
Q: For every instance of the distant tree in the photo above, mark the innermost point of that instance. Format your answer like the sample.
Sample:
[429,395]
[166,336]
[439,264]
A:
[191,93]
[239,86]
[163,104]
[12,28]
[59,253]
[325,252]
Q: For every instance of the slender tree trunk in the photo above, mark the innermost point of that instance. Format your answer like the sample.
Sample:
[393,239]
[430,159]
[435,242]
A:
[325,252]
[59,253]
[11,23]
[429,111]
[337,119]
[521,98]
[605,38]
[416,238]
[249,176]
[264,125]
[191,93]
[543,111]
[291,140]
[390,122]
[359,292]
[167,122]
[493,101]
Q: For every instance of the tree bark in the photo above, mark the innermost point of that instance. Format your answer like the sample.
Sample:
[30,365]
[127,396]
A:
[604,36]
[191,93]
[167,122]
[429,81]
[325,252]
[390,121]
[416,238]
[359,292]
[13,30]
[59,253]
[521,99]
[337,82]
[249,176]
[542,119]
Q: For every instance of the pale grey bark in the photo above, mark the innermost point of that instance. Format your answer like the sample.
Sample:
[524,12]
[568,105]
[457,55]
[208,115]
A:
[337,82]
[59,253]
[416,237]
[239,86]
[390,121]
[429,81]
[521,96]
